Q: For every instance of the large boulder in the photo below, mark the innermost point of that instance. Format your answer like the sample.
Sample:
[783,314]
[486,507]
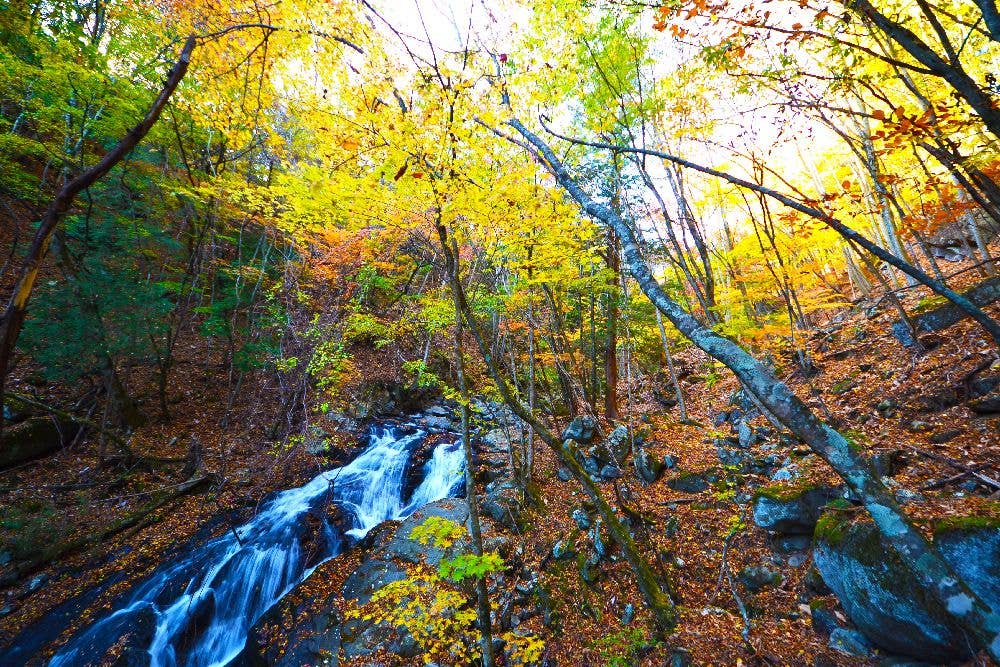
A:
[791,510]
[884,599]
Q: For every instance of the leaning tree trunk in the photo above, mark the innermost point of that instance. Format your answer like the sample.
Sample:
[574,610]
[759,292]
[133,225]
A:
[662,607]
[17,307]
[475,528]
[964,304]
[961,602]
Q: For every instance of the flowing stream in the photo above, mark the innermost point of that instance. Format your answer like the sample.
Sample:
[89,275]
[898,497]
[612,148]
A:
[199,609]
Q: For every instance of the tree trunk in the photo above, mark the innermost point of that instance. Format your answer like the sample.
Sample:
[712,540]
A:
[475,529]
[961,602]
[662,607]
[17,307]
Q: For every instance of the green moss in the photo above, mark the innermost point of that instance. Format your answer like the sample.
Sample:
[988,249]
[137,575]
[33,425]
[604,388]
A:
[953,524]
[929,303]
[835,522]
[786,492]
[855,440]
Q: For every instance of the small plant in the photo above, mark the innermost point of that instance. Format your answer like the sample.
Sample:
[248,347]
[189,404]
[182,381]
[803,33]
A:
[437,609]
[620,649]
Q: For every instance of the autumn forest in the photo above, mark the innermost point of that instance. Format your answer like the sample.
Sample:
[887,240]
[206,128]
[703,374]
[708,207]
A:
[499,332]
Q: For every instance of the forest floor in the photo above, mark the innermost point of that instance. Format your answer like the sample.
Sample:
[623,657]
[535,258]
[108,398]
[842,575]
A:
[860,366]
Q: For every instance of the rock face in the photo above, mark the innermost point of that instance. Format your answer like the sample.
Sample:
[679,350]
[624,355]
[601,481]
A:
[883,598]
[304,627]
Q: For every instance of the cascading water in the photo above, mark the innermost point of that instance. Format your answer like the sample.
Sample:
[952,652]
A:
[201,607]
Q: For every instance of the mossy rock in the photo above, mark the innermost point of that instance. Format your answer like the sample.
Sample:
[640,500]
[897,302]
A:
[883,597]
[34,438]
[791,509]
[689,482]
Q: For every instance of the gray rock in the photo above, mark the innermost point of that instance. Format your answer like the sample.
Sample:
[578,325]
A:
[747,436]
[437,423]
[562,550]
[850,642]
[669,462]
[610,471]
[787,473]
[599,539]
[734,458]
[581,429]
[628,614]
[580,517]
[824,621]
[688,482]
[405,548]
[760,577]
[502,503]
[564,474]
[316,441]
[371,576]
[617,443]
[905,497]
[945,436]
[34,438]
[438,411]
[878,591]
[646,466]
[792,513]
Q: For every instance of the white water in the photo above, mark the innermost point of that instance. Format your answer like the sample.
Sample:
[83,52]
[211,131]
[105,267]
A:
[202,606]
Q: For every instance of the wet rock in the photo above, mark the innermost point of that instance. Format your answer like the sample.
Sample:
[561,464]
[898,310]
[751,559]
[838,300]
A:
[790,510]
[581,429]
[877,590]
[760,577]
[669,462]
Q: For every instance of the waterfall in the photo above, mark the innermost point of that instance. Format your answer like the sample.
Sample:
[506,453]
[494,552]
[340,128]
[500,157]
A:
[198,610]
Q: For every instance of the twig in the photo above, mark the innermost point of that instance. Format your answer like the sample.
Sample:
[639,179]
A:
[970,470]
